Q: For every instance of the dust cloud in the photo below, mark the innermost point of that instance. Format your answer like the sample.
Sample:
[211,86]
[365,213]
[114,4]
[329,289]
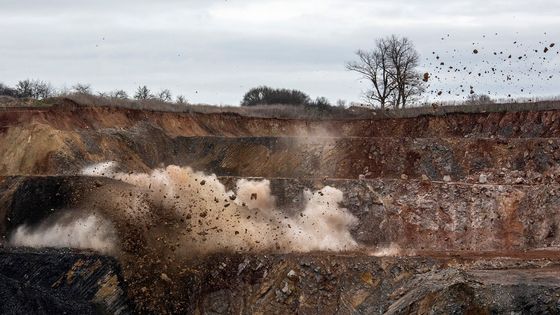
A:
[197,214]
[392,250]
[87,232]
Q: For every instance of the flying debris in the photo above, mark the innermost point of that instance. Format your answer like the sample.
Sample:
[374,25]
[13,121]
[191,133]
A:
[517,67]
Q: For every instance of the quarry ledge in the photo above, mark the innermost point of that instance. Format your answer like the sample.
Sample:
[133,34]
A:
[524,259]
[471,181]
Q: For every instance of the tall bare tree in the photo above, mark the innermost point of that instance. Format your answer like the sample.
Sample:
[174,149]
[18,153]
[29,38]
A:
[402,69]
[373,66]
[391,69]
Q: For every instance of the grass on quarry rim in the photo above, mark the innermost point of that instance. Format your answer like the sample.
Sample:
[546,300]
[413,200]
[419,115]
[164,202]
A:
[280,110]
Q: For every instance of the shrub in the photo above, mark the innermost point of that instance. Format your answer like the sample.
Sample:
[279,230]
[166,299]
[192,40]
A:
[181,100]
[476,99]
[321,102]
[143,93]
[82,88]
[119,94]
[165,95]
[34,88]
[7,91]
[264,95]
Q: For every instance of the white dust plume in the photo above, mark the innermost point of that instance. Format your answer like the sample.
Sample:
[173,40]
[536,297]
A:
[198,214]
[88,232]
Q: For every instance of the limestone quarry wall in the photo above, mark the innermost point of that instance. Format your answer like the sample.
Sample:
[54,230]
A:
[474,199]
[462,181]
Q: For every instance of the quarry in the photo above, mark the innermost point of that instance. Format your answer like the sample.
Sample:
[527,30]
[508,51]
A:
[113,210]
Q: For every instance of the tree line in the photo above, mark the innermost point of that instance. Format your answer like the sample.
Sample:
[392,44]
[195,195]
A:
[261,95]
[38,89]
[28,88]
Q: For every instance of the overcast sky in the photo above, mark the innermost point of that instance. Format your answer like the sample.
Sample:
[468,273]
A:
[214,51]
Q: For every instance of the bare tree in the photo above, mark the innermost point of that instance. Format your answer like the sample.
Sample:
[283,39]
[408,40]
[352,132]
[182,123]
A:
[391,69]
[142,93]
[42,89]
[165,95]
[413,88]
[82,88]
[181,100]
[34,88]
[402,69]
[24,88]
[373,66]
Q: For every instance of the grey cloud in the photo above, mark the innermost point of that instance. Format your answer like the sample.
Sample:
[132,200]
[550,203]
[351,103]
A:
[217,49]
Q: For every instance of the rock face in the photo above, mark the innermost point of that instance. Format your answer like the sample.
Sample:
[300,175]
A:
[60,281]
[413,214]
[61,140]
[140,149]
[354,284]
[456,214]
